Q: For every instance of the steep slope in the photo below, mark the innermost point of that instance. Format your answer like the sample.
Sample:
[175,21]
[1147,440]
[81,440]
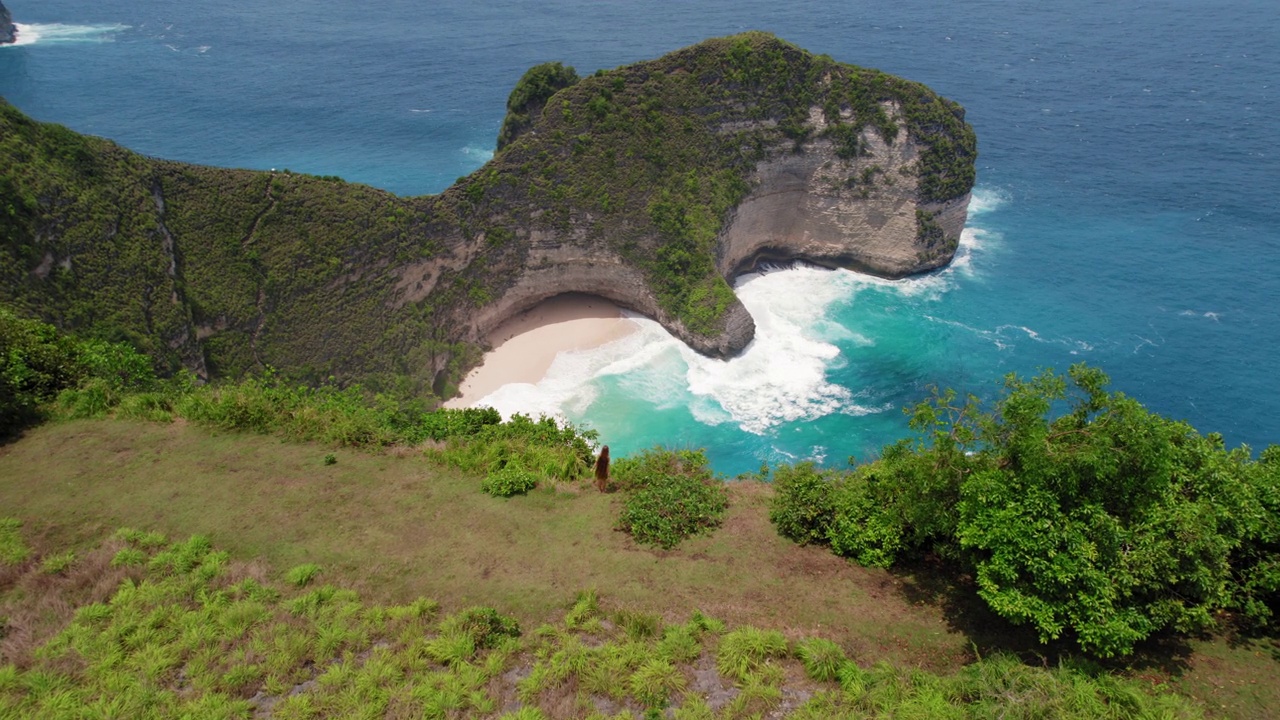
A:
[651,185]
[8,33]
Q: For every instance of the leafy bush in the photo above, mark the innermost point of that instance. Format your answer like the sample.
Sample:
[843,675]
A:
[448,422]
[802,507]
[540,446]
[510,480]
[671,495]
[1078,512]
[38,364]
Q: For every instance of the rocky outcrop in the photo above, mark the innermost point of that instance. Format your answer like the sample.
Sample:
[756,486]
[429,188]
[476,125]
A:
[860,213]
[652,185]
[8,33]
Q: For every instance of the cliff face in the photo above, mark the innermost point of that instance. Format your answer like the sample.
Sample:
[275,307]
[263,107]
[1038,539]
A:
[8,33]
[858,213]
[652,185]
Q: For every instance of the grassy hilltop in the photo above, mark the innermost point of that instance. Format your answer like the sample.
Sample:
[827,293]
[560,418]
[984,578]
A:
[1106,562]
[226,272]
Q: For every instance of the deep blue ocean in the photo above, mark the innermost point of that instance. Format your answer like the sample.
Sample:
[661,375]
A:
[1127,212]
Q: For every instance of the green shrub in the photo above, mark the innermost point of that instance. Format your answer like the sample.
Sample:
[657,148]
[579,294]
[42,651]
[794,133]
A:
[541,446]
[449,422]
[671,495]
[148,406]
[802,507]
[38,364]
[486,627]
[510,480]
[866,524]
[1077,511]
[330,459]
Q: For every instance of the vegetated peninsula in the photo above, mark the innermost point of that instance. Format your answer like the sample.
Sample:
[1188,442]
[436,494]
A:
[652,185]
[8,33]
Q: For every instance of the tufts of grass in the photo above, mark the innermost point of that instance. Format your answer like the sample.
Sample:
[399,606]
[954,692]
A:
[130,557]
[822,658]
[586,608]
[13,551]
[302,575]
[486,627]
[525,713]
[746,650]
[655,681]
[59,563]
[638,625]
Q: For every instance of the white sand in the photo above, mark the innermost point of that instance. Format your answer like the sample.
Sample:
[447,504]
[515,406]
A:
[525,346]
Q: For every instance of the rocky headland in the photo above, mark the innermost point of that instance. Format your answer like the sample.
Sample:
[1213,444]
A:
[652,185]
[8,33]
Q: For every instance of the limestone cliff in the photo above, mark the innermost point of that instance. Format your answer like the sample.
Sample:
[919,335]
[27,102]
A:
[652,185]
[8,33]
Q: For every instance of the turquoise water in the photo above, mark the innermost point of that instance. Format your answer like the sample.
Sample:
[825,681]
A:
[1126,210]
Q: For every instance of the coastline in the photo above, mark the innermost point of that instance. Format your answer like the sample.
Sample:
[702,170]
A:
[525,346]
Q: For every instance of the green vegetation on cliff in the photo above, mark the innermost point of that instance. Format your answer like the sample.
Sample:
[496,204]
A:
[228,272]
[1078,512]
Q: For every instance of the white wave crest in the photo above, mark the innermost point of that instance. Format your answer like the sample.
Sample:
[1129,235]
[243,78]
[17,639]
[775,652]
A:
[781,377]
[986,199]
[484,155]
[55,33]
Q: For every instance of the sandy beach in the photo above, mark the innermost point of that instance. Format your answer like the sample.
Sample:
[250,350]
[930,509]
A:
[525,346]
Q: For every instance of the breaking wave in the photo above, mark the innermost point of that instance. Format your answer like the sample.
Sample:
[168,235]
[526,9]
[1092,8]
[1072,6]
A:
[54,33]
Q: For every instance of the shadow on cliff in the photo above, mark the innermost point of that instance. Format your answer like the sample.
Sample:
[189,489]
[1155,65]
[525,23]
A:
[935,582]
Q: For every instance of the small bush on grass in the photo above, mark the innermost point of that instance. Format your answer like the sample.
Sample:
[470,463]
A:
[510,480]
[672,495]
[542,446]
[485,626]
[802,508]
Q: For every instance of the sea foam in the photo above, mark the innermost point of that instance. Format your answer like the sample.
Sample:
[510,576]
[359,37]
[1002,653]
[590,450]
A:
[781,377]
[53,33]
